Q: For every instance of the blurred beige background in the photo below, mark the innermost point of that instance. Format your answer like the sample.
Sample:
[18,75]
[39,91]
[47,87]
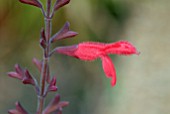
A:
[143,81]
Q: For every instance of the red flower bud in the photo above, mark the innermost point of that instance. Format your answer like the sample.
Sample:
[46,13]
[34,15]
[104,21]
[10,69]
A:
[59,111]
[18,69]
[28,78]
[43,34]
[53,105]
[19,74]
[37,63]
[60,3]
[43,43]
[92,50]
[52,85]
[32,2]
[63,33]
[43,39]
[22,74]
[19,109]
[15,75]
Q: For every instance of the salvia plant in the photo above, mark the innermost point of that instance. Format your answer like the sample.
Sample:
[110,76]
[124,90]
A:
[86,51]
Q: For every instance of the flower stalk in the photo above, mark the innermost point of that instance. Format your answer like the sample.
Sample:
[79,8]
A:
[45,65]
[46,84]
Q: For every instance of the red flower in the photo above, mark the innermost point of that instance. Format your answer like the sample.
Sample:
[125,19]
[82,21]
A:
[92,50]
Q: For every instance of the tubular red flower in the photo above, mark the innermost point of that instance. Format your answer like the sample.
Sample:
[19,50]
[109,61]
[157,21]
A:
[89,51]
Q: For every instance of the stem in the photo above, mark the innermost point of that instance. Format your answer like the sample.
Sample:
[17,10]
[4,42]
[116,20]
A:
[45,67]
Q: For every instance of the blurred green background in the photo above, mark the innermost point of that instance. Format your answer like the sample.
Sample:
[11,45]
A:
[143,81]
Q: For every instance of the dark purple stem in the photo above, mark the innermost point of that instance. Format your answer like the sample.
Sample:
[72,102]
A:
[45,67]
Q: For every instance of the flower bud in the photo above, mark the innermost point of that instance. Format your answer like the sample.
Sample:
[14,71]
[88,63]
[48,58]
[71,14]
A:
[60,3]
[15,75]
[32,2]
[37,63]
[52,85]
[28,78]
[18,110]
[63,33]
[53,105]
[18,69]
[43,43]
[43,34]
[19,72]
